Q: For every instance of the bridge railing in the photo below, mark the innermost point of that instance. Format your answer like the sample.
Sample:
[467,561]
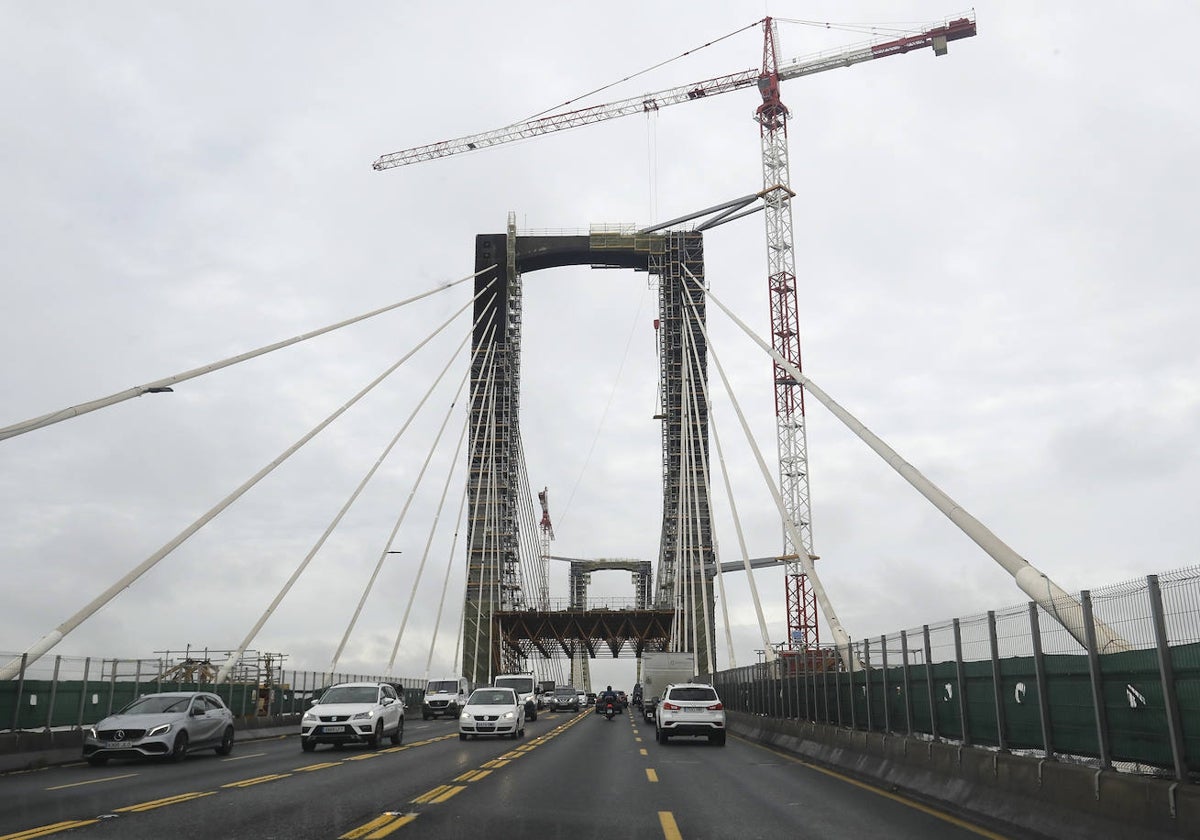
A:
[66,692]
[1014,680]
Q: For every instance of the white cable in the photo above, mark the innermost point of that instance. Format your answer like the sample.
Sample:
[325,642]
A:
[223,673]
[387,544]
[437,622]
[55,636]
[432,530]
[161,384]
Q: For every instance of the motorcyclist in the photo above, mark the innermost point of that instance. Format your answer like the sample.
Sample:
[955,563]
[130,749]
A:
[607,696]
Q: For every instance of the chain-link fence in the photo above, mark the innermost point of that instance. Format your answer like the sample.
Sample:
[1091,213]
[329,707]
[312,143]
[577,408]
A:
[1111,678]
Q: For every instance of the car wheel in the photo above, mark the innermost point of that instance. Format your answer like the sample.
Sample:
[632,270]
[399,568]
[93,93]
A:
[398,735]
[717,739]
[531,715]
[97,760]
[226,742]
[661,736]
[425,717]
[376,736]
[462,736]
[307,746]
[180,750]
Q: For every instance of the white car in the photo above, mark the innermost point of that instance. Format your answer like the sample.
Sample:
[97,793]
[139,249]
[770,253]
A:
[690,709]
[353,713]
[492,711]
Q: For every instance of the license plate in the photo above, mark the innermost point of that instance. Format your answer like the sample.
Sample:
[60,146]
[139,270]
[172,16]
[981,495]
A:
[332,729]
[119,745]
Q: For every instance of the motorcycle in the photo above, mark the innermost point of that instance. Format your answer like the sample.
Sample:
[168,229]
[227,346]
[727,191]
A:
[609,710]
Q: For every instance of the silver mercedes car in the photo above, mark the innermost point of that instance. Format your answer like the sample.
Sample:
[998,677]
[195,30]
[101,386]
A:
[170,724]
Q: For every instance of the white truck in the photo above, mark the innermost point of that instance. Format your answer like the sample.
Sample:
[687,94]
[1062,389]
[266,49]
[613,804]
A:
[444,696]
[527,691]
[660,669]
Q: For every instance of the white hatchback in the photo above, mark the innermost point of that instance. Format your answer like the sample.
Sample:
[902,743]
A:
[492,711]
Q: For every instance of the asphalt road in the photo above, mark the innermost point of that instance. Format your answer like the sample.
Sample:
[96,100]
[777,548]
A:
[573,776]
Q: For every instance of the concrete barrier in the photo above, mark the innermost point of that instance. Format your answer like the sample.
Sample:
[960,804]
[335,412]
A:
[1047,798]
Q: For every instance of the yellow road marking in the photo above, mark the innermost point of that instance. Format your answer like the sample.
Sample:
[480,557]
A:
[170,800]
[44,830]
[362,757]
[669,829]
[450,791]
[93,781]
[643,751]
[310,767]
[381,826]
[429,795]
[258,780]
[499,762]
[925,809]
[638,740]
[651,775]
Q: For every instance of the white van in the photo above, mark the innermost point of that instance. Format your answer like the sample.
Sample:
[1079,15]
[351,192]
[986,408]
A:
[445,696]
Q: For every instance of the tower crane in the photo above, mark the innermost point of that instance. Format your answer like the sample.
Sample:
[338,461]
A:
[547,535]
[802,595]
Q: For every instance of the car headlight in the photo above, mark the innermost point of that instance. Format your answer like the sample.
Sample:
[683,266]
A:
[92,732]
[509,715]
[464,716]
[309,716]
[363,715]
[159,730]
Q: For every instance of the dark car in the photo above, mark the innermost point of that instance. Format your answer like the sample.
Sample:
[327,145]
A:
[564,697]
[624,700]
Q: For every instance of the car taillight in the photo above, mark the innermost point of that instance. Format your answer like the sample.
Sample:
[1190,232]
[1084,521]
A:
[716,707]
[670,707]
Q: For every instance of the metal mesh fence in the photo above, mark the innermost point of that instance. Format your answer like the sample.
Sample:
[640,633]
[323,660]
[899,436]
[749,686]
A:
[1110,677]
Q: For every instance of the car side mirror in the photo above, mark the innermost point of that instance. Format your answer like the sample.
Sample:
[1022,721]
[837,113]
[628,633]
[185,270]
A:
[386,701]
[197,712]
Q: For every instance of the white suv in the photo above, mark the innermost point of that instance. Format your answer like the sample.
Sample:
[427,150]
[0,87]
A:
[353,713]
[690,709]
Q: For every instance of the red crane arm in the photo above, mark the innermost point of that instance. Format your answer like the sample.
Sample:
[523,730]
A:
[936,37]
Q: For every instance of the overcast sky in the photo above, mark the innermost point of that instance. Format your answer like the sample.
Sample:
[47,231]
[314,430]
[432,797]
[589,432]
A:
[995,252]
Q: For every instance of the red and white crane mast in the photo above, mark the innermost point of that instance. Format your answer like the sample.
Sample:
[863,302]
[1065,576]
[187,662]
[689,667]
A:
[791,434]
[547,535]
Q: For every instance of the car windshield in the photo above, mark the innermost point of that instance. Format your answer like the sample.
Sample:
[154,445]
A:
[693,693]
[521,684]
[493,697]
[157,705]
[447,686]
[351,694]
[565,692]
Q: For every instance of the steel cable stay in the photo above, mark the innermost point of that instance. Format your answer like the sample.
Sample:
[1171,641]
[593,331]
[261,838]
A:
[160,385]
[1059,603]
[835,626]
[436,516]
[437,621]
[686,490]
[387,545]
[695,395]
[489,378]
[236,656]
[737,524]
[52,638]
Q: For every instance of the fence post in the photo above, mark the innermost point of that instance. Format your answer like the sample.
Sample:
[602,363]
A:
[960,676]
[933,721]
[53,694]
[887,715]
[20,691]
[112,683]
[1039,669]
[87,666]
[866,649]
[997,688]
[837,692]
[908,712]
[1167,673]
[1089,635]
